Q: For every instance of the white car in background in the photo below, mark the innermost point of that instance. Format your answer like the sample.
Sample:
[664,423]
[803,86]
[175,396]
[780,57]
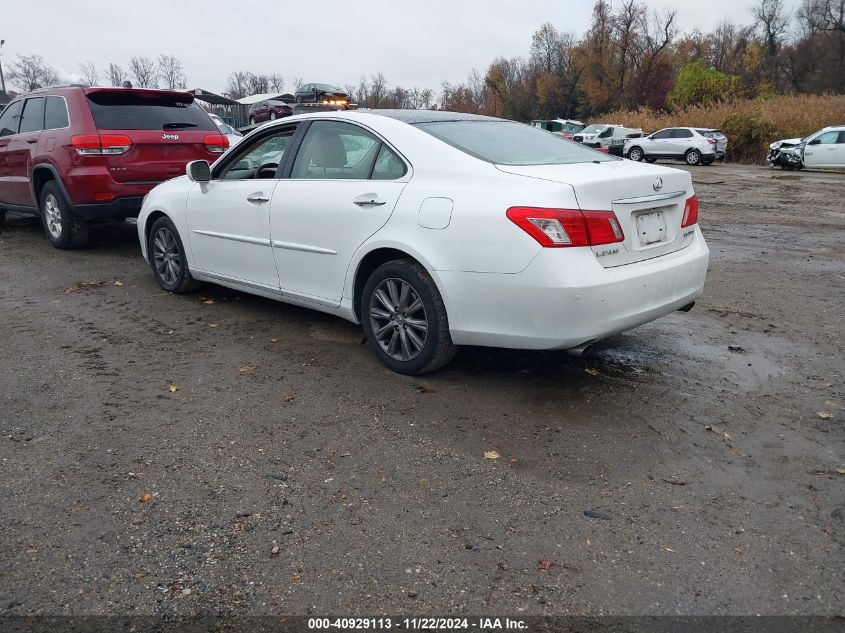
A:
[433,230]
[824,149]
[688,144]
[227,130]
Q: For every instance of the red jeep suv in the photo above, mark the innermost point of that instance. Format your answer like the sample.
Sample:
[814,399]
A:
[74,155]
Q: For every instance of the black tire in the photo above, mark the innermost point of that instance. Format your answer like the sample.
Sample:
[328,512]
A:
[298,99]
[692,157]
[61,225]
[272,116]
[2,217]
[437,349]
[636,153]
[180,280]
[252,120]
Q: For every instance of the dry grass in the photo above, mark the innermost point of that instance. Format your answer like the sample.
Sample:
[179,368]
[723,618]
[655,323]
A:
[749,124]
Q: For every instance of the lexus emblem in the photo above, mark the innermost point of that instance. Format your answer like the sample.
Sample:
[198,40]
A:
[169,137]
[658,184]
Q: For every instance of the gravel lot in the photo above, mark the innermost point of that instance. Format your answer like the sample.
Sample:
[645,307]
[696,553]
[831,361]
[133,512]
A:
[288,472]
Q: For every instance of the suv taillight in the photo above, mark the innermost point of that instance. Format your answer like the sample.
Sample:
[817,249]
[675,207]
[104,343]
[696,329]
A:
[100,144]
[712,141]
[690,212]
[216,143]
[558,228]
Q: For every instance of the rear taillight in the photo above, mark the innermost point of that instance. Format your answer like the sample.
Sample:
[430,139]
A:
[690,212]
[557,228]
[216,143]
[712,141]
[100,144]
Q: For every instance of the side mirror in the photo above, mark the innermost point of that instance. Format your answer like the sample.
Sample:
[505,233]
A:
[815,141]
[198,171]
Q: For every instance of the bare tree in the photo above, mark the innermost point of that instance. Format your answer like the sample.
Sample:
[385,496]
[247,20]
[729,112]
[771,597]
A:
[171,72]
[277,82]
[824,15]
[258,84]
[351,93]
[29,72]
[297,83]
[238,85]
[143,70]
[772,22]
[116,75]
[378,89]
[363,92]
[89,73]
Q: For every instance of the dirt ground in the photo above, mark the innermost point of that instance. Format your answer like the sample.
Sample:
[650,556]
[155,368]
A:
[710,444]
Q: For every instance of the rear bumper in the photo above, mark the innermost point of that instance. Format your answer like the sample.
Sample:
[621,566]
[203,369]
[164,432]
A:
[565,298]
[120,208]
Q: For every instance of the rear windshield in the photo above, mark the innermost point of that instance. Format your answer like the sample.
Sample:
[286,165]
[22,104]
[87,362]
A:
[510,143]
[118,110]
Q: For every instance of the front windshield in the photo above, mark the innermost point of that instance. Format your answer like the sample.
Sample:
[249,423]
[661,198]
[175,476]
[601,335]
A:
[572,128]
[593,129]
[510,143]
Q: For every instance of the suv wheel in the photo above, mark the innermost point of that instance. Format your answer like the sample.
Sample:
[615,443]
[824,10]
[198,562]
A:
[63,228]
[2,217]
[405,320]
[272,116]
[167,258]
[692,157]
[252,120]
[636,154]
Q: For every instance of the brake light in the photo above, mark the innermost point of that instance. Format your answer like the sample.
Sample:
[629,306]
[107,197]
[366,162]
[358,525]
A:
[690,212]
[100,144]
[712,141]
[557,228]
[216,143]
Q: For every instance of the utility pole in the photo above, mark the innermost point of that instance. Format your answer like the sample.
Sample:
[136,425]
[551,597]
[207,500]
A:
[2,80]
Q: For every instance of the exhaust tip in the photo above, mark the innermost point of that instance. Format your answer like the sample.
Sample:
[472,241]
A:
[581,350]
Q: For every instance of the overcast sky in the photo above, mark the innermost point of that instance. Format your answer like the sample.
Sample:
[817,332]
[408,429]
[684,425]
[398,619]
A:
[418,43]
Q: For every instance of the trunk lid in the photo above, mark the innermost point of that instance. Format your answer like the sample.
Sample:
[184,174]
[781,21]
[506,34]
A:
[167,130]
[648,202]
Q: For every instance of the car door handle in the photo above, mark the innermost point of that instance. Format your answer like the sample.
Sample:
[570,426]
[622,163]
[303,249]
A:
[32,141]
[369,200]
[257,198]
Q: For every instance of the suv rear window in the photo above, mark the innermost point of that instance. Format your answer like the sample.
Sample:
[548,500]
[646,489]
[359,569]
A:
[119,110]
[510,143]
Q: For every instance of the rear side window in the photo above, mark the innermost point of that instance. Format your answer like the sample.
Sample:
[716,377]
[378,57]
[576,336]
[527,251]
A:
[678,133]
[10,119]
[388,165]
[334,150]
[55,114]
[510,143]
[32,119]
[128,110]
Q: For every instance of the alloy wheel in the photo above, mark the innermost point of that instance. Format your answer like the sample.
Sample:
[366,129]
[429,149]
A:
[693,157]
[398,319]
[636,154]
[53,216]
[166,256]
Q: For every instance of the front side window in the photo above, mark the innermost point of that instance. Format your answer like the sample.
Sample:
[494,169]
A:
[55,114]
[261,159]
[661,135]
[828,138]
[336,150]
[10,119]
[510,143]
[32,119]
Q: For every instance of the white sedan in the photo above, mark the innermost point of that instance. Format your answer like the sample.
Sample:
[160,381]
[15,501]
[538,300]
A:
[433,230]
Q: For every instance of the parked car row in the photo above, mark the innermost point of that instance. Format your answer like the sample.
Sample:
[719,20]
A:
[430,229]
[824,149]
[610,136]
[567,128]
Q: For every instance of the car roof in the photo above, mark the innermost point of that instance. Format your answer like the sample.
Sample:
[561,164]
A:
[427,116]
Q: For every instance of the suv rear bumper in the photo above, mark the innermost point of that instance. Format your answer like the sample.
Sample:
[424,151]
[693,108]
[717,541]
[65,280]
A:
[121,208]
